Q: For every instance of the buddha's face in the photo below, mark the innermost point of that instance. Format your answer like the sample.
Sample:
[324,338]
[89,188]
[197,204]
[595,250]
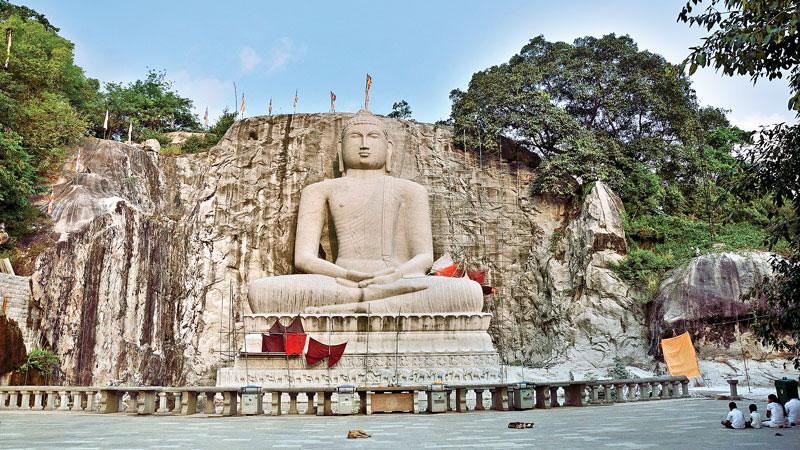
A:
[364,146]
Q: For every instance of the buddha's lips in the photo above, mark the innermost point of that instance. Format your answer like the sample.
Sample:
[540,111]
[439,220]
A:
[364,153]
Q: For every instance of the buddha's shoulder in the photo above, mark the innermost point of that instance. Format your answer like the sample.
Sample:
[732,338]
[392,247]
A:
[409,186]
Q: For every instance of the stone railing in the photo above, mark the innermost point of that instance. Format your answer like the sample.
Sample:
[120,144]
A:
[228,401]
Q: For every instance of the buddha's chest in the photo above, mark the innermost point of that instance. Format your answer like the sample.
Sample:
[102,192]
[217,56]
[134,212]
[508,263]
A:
[367,208]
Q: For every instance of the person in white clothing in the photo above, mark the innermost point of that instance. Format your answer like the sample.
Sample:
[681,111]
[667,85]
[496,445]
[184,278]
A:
[755,417]
[775,413]
[735,418]
[793,411]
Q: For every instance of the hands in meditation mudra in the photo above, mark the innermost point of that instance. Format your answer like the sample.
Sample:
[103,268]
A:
[385,248]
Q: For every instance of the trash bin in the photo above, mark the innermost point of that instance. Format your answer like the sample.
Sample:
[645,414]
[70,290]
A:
[346,402]
[786,389]
[437,398]
[523,396]
[251,400]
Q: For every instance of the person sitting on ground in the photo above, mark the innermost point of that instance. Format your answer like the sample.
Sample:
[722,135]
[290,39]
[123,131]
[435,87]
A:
[793,411]
[775,413]
[755,417]
[735,418]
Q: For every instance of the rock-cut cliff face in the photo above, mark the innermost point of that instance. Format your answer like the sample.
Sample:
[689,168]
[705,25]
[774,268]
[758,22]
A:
[149,248]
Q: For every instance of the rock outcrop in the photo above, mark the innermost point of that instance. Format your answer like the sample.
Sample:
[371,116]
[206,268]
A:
[711,286]
[150,248]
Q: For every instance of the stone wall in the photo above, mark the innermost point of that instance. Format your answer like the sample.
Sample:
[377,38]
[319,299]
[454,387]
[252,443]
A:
[15,296]
[149,248]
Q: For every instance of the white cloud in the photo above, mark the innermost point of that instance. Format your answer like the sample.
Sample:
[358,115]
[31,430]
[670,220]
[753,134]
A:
[204,92]
[752,122]
[283,53]
[249,59]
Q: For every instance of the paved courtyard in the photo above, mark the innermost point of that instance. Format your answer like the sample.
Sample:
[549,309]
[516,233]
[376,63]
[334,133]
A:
[673,424]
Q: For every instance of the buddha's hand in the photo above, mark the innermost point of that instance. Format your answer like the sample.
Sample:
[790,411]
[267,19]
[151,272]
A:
[354,275]
[385,277]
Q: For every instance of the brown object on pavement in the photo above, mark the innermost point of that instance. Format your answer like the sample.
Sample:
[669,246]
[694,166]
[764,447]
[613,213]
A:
[520,425]
[355,434]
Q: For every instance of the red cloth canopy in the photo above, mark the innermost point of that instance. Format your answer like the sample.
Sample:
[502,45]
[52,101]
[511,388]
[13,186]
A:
[317,351]
[295,337]
[272,343]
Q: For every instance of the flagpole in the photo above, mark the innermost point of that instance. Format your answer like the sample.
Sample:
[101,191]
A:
[235,100]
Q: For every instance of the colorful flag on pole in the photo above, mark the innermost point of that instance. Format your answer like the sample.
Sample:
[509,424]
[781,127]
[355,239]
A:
[269,109]
[205,118]
[366,93]
[130,131]
[333,102]
[105,121]
[241,109]
[295,102]
[78,161]
[9,31]
[50,204]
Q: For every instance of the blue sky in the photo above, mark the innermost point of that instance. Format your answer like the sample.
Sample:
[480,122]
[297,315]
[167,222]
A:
[415,50]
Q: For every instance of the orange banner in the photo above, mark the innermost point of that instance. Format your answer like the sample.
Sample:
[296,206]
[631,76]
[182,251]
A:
[680,356]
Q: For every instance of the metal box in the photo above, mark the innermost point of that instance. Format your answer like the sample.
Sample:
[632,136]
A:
[786,389]
[346,400]
[437,399]
[252,403]
[523,396]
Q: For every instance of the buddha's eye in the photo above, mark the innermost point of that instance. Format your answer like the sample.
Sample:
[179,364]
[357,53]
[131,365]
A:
[355,135]
[373,135]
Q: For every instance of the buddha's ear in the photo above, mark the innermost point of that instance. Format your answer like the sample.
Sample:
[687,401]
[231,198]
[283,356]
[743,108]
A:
[388,156]
[340,157]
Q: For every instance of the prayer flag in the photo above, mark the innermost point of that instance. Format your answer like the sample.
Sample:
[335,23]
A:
[9,31]
[680,356]
[295,102]
[269,110]
[105,121]
[205,118]
[50,204]
[130,131]
[78,161]
[366,93]
[241,109]
[333,102]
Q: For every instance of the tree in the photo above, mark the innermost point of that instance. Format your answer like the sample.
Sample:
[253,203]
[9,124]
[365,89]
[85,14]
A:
[638,108]
[149,104]
[23,12]
[761,38]
[400,110]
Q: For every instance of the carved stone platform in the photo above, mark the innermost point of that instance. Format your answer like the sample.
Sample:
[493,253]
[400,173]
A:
[405,349]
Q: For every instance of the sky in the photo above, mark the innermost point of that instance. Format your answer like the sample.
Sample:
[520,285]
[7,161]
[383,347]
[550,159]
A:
[415,50]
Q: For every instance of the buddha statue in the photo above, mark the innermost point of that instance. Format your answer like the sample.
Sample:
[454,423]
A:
[383,231]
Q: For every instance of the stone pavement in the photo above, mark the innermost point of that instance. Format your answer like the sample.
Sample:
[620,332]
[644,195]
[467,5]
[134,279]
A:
[674,424]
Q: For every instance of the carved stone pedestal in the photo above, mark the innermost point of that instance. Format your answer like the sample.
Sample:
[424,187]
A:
[382,350]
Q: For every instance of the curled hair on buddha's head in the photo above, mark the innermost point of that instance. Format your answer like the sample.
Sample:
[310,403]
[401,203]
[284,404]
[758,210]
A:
[364,117]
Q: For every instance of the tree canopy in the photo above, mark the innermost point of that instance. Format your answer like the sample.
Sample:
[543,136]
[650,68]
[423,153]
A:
[400,110]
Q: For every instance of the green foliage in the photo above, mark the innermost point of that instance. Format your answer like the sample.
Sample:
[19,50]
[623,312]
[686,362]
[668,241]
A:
[42,360]
[759,38]
[7,10]
[400,110]
[149,133]
[619,370]
[148,104]
[644,269]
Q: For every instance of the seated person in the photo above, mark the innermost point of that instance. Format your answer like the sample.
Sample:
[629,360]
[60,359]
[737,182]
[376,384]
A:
[793,411]
[735,418]
[775,413]
[755,417]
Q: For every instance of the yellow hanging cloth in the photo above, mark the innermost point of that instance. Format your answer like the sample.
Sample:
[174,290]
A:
[680,356]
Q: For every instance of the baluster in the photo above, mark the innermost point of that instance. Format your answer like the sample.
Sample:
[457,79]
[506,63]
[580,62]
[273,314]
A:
[25,403]
[64,397]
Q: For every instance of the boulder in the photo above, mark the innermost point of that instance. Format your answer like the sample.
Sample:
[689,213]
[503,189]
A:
[711,286]
[152,145]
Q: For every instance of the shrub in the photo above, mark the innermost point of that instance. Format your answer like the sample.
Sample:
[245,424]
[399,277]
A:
[162,138]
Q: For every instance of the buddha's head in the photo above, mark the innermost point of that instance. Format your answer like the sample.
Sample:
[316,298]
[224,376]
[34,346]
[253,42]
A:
[365,144]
